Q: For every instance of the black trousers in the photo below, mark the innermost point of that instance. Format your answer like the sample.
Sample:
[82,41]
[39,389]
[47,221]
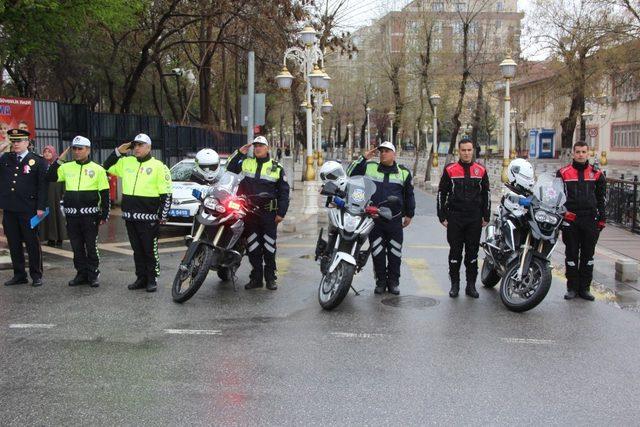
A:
[463,232]
[83,235]
[143,236]
[261,232]
[580,238]
[17,228]
[385,240]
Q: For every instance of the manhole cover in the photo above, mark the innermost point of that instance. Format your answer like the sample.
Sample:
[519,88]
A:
[410,302]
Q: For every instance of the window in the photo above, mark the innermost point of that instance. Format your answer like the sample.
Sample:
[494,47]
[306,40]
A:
[498,24]
[457,28]
[626,88]
[436,44]
[437,7]
[499,6]
[437,27]
[459,7]
[626,136]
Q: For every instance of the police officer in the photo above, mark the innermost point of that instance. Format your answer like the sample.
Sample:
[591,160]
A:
[146,198]
[23,195]
[585,187]
[464,208]
[386,237]
[86,206]
[262,174]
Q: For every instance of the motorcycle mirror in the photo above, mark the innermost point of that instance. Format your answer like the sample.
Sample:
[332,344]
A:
[329,189]
[394,200]
[385,213]
[264,195]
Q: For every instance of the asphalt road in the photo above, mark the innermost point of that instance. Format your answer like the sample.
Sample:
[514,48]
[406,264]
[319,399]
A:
[110,356]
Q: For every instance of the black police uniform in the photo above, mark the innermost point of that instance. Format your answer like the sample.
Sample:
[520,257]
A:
[86,202]
[262,175]
[386,237]
[23,191]
[586,189]
[463,201]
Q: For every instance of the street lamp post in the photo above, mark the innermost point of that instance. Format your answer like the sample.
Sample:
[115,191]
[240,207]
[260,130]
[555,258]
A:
[508,70]
[514,114]
[588,117]
[367,145]
[391,116]
[350,142]
[307,59]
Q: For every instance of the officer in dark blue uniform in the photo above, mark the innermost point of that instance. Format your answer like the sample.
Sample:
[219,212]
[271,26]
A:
[23,194]
[386,237]
[262,175]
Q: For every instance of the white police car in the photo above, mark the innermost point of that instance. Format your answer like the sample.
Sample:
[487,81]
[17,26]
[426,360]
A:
[184,206]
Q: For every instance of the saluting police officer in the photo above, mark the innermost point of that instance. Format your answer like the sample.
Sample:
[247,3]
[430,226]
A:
[23,195]
[86,207]
[464,208]
[146,199]
[262,174]
[386,237]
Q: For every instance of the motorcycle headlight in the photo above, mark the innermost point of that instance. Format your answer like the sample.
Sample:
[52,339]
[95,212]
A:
[210,203]
[542,216]
[351,222]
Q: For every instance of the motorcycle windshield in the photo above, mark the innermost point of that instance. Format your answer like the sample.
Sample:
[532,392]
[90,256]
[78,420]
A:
[359,191]
[226,186]
[549,191]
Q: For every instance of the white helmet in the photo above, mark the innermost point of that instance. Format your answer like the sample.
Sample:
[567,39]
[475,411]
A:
[208,164]
[520,174]
[333,171]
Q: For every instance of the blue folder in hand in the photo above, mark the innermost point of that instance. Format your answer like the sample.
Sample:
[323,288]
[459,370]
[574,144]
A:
[35,220]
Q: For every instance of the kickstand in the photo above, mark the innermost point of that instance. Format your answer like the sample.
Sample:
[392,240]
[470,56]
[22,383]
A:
[235,283]
[354,290]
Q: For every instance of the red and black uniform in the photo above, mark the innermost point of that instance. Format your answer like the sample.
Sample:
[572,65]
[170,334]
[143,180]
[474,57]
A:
[586,189]
[463,201]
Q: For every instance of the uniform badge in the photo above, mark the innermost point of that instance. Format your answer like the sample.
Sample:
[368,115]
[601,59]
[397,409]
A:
[167,177]
[26,169]
[476,171]
[31,162]
[358,195]
[90,172]
[148,171]
[591,175]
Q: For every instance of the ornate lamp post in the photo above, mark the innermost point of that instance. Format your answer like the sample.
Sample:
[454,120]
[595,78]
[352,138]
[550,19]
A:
[508,70]
[391,116]
[368,144]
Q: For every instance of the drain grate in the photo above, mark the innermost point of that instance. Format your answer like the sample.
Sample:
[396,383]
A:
[410,301]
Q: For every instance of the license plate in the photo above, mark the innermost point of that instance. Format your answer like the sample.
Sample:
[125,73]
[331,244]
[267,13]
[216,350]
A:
[179,212]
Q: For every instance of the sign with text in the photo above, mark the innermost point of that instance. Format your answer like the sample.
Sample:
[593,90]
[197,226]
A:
[16,113]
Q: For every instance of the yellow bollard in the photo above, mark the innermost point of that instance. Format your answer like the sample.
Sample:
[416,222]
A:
[310,175]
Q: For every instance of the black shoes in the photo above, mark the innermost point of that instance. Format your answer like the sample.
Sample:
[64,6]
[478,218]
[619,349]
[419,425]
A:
[253,284]
[16,281]
[78,280]
[394,289]
[585,294]
[455,289]
[94,283]
[381,286]
[570,295]
[36,283]
[152,285]
[140,283]
[471,290]
[272,285]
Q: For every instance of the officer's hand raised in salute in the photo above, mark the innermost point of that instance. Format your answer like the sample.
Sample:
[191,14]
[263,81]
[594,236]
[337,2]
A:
[371,153]
[124,148]
[245,148]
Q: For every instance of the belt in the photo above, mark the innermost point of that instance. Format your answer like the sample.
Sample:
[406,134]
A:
[81,211]
[139,216]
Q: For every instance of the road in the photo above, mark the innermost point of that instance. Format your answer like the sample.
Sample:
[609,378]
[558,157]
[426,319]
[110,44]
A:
[110,356]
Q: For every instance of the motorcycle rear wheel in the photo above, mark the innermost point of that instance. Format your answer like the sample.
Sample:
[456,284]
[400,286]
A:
[334,286]
[511,292]
[192,274]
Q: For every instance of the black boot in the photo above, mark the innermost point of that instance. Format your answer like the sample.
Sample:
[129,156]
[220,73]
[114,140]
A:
[471,290]
[80,279]
[152,285]
[140,283]
[584,293]
[272,285]
[455,289]
[253,284]
[15,280]
[394,289]
[571,294]
[381,286]
[94,283]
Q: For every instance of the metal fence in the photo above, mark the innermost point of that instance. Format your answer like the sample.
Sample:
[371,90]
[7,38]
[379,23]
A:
[58,123]
[623,203]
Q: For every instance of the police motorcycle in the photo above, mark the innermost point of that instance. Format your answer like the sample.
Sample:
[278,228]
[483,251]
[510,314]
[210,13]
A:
[522,236]
[350,222]
[215,242]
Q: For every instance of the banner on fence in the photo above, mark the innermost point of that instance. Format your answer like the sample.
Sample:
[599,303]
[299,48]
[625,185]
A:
[16,113]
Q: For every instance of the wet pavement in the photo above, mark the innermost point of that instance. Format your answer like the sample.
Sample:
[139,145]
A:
[110,356]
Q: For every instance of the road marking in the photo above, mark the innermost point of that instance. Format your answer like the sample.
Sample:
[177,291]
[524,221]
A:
[411,246]
[427,246]
[527,341]
[170,239]
[423,277]
[355,335]
[172,249]
[295,245]
[193,331]
[31,326]
[115,247]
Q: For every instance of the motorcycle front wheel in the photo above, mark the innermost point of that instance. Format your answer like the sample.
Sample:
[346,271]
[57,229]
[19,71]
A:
[527,293]
[334,286]
[191,274]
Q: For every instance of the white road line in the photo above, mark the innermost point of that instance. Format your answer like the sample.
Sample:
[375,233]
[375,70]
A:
[193,331]
[527,341]
[355,335]
[31,326]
